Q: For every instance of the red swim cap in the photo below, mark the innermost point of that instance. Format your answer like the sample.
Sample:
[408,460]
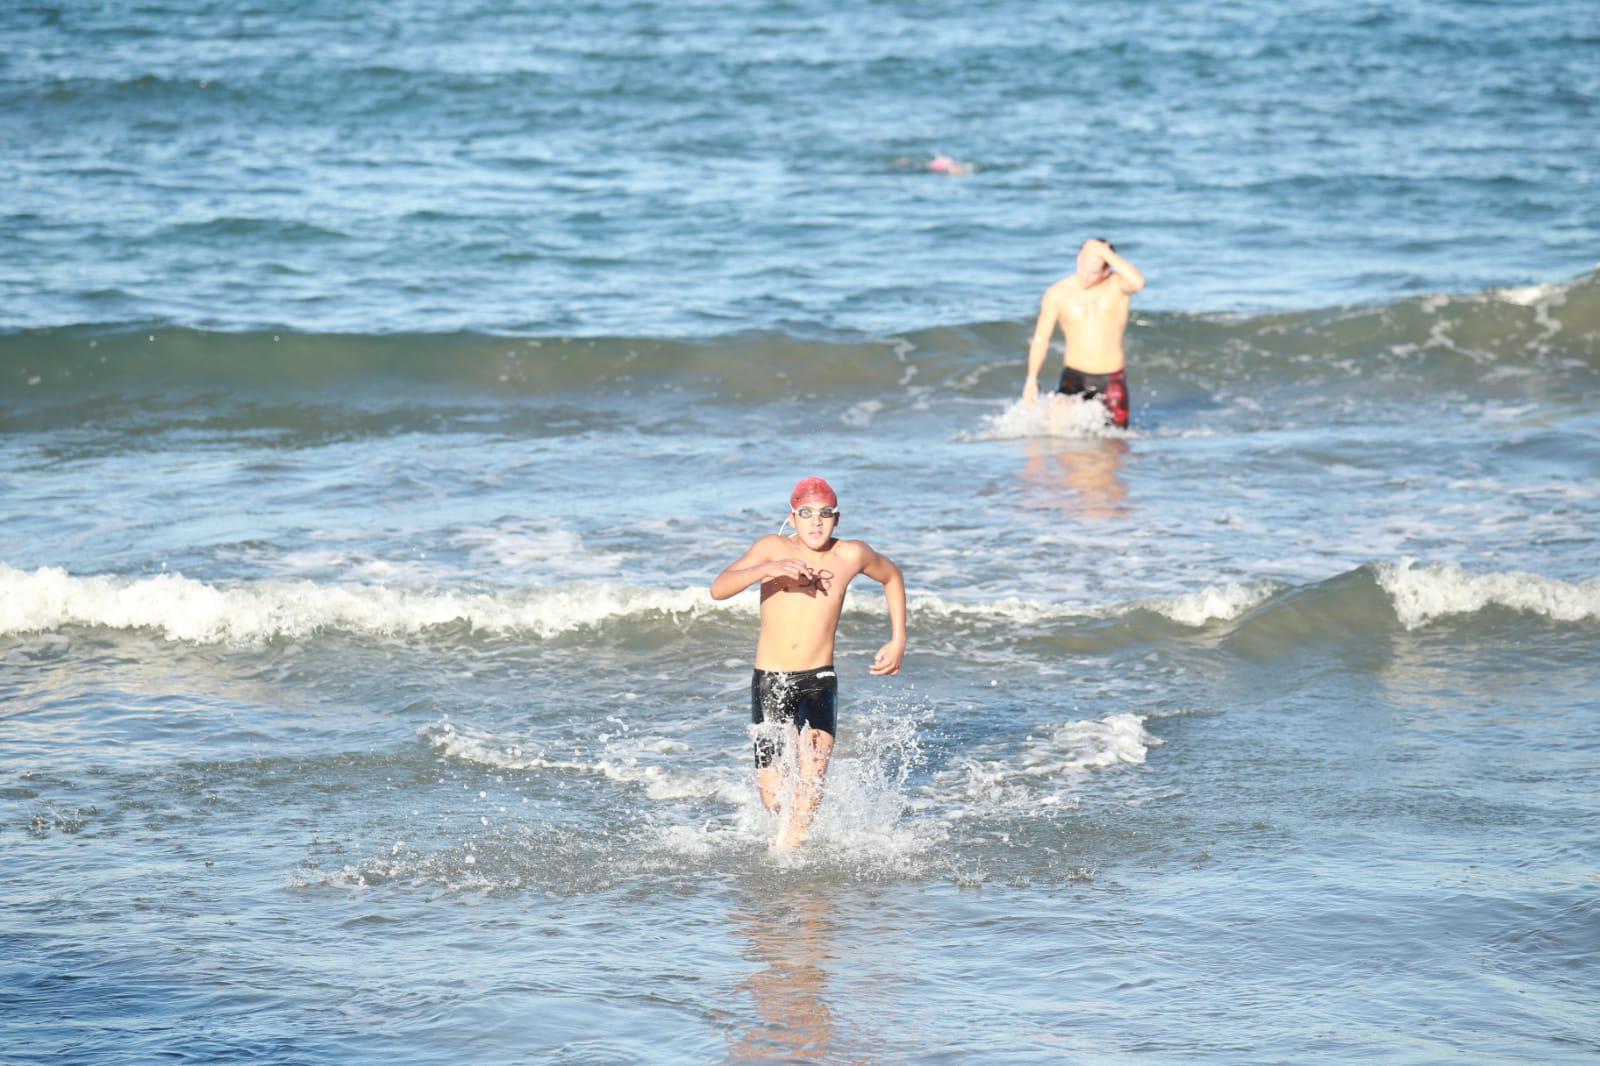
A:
[813,489]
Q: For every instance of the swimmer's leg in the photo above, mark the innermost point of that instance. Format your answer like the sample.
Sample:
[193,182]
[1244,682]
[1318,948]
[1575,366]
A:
[1059,412]
[773,741]
[769,781]
[812,750]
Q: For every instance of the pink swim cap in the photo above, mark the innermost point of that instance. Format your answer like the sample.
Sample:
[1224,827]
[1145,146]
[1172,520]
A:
[813,489]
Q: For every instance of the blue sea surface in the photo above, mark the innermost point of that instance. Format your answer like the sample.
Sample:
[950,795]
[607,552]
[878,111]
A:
[382,385]
[693,169]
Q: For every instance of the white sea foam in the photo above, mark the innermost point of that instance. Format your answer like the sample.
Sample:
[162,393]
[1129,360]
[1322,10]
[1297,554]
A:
[1010,609]
[1423,592]
[1051,416]
[1531,295]
[185,609]
[1215,603]
[1049,771]
[859,416]
[652,763]
[181,608]
[1221,603]
[529,550]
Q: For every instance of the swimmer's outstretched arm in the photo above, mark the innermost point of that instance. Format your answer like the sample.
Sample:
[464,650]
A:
[1039,350]
[881,568]
[760,563]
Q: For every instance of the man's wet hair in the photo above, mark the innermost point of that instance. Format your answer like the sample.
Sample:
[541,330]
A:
[1105,242]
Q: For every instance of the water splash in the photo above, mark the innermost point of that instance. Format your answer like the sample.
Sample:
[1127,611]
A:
[1067,417]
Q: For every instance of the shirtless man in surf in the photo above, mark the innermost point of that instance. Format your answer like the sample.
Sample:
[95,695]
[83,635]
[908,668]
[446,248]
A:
[1091,307]
[803,578]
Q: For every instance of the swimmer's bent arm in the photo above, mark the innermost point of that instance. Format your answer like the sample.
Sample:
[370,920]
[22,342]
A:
[760,563]
[1128,275]
[1039,350]
[882,569]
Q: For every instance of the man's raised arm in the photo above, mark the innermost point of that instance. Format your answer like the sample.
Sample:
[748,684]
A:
[1128,275]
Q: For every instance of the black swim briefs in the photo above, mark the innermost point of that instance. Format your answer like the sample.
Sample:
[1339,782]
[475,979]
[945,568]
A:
[1110,389]
[800,698]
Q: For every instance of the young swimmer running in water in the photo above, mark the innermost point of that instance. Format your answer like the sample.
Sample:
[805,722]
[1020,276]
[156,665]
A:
[1091,307]
[803,579]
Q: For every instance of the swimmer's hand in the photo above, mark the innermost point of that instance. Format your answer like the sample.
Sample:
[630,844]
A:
[888,659]
[1030,391]
[793,569]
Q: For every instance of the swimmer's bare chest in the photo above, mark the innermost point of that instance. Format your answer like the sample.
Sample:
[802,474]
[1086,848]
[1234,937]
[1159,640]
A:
[1093,324]
[799,620]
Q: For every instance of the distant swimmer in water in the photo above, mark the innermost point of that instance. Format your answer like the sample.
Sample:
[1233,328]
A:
[1091,307]
[939,164]
[943,164]
[803,578]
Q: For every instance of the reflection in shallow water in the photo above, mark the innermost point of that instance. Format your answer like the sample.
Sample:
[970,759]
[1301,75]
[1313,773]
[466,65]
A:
[1082,477]
[791,934]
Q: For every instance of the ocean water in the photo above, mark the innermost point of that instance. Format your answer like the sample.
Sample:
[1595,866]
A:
[381,386]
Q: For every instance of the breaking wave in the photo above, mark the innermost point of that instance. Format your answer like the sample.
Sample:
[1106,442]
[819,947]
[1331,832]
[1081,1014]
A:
[1422,593]
[1407,594]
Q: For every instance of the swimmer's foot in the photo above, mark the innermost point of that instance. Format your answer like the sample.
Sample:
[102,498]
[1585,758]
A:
[791,836]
